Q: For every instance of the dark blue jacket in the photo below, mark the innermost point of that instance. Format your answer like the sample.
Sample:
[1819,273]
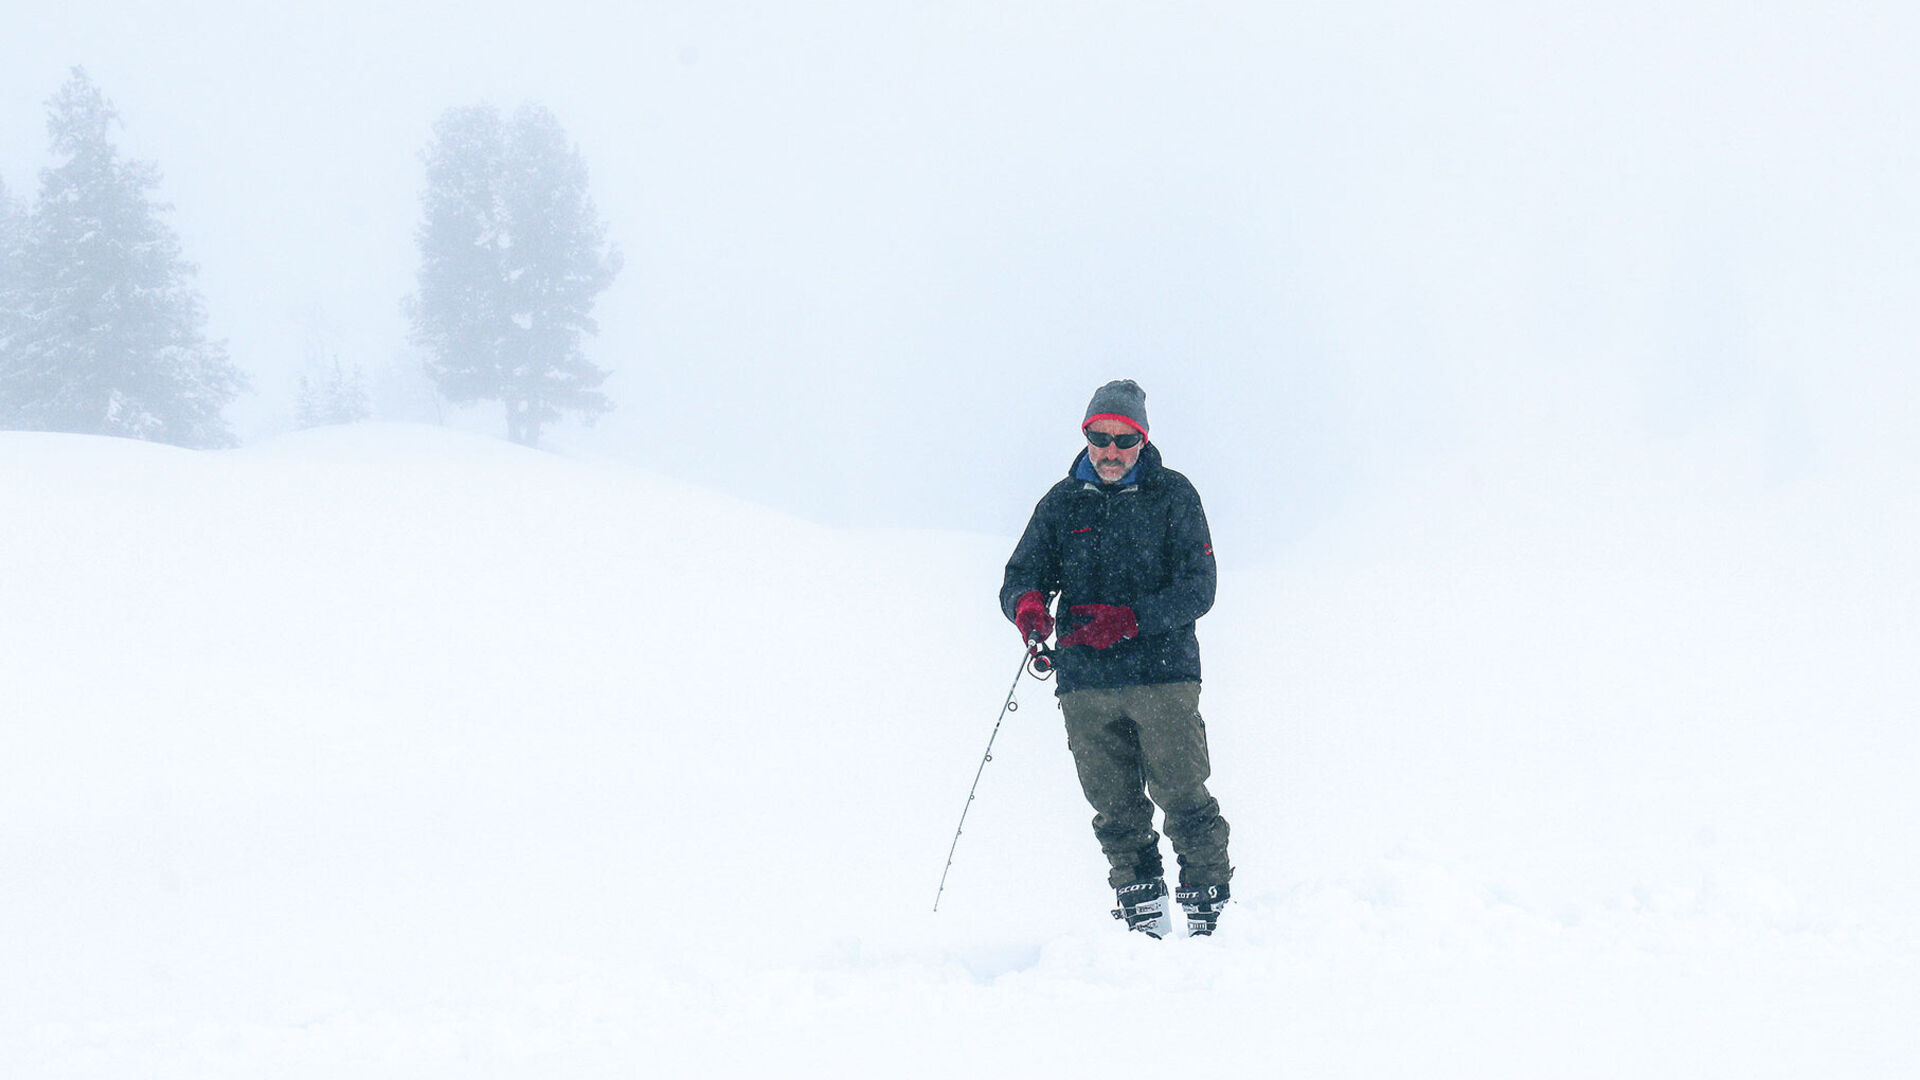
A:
[1142,544]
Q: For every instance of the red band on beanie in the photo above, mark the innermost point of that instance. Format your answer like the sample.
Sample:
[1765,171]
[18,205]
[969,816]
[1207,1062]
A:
[1127,420]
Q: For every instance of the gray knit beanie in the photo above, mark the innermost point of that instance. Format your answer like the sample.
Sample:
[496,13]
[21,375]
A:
[1122,400]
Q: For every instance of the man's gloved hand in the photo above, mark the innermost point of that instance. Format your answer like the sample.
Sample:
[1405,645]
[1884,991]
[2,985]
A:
[1106,624]
[1030,615]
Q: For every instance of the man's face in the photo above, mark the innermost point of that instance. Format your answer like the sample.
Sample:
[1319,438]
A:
[1110,461]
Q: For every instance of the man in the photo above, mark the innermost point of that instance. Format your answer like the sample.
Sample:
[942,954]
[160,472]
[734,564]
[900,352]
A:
[1122,543]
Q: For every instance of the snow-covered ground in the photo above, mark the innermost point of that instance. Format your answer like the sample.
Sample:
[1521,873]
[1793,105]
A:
[393,752]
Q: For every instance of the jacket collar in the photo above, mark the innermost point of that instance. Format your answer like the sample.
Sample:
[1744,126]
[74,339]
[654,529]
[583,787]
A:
[1143,471]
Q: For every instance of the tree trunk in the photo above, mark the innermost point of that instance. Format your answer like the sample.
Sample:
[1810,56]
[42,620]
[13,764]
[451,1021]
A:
[521,427]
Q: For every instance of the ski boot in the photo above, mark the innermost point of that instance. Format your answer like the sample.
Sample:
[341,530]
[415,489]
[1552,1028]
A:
[1144,905]
[1202,903]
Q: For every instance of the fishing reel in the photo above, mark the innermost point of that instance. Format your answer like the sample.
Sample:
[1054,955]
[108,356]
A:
[1039,659]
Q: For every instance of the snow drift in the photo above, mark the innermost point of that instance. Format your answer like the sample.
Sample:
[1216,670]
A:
[385,751]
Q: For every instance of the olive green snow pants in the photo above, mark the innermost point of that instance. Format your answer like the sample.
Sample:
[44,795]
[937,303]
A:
[1136,741]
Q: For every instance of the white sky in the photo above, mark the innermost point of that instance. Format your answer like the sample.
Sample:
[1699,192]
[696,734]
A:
[880,254]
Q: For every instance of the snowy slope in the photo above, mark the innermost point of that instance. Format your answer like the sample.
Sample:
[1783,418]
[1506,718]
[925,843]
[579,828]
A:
[388,751]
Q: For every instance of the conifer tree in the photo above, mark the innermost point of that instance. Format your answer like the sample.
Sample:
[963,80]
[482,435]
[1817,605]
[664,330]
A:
[13,227]
[331,393]
[109,332]
[512,257]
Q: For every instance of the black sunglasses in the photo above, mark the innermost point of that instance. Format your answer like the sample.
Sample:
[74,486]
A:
[1125,442]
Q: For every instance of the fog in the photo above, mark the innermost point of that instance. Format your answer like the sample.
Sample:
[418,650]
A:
[1548,372]
[878,255]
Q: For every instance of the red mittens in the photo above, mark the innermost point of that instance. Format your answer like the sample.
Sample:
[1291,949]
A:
[1106,624]
[1030,615]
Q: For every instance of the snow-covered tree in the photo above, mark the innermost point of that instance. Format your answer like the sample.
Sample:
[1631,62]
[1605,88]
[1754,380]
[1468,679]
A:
[512,257]
[333,394]
[109,332]
[330,392]
[13,234]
